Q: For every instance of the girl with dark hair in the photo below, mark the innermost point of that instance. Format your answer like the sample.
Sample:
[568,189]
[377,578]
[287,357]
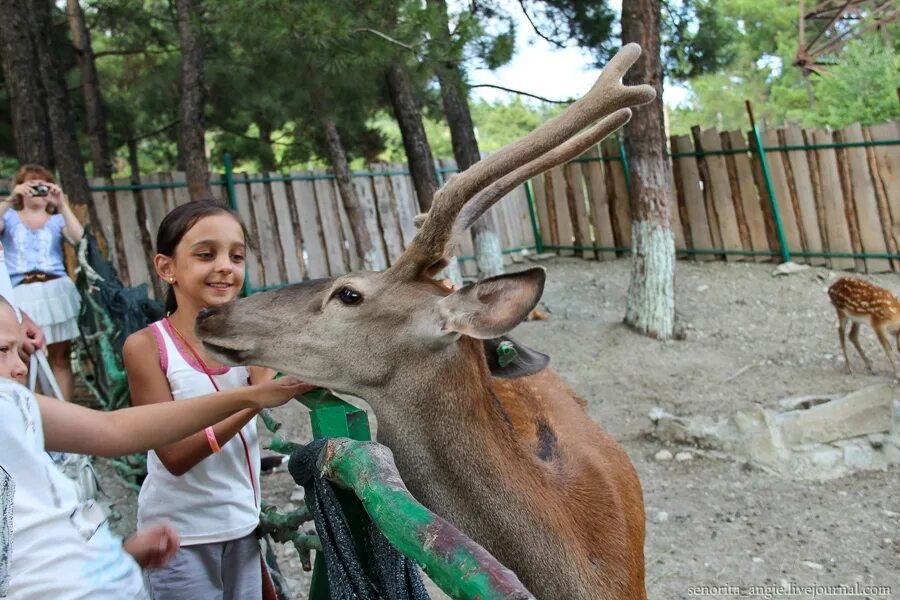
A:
[207,485]
[34,221]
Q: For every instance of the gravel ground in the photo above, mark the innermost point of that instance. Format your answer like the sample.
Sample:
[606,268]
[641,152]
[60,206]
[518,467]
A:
[713,521]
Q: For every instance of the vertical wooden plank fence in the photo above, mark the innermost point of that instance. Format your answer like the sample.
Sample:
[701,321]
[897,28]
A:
[835,196]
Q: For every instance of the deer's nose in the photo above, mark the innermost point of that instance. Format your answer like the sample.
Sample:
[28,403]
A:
[206,313]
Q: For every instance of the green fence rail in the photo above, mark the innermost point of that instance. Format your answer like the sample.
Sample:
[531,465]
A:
[228,181]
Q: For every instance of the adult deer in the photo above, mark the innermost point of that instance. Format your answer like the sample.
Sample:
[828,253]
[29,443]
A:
[516,464]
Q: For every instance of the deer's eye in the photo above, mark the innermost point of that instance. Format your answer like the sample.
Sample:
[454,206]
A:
[349,296]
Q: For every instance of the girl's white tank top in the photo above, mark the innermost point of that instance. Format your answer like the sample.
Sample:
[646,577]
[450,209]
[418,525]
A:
[218,499]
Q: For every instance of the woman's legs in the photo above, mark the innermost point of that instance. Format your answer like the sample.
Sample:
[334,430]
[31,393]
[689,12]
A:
[60,362]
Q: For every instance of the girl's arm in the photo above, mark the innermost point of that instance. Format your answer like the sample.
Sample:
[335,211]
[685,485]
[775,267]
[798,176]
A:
[5,205]
[149,386]
[7,202]
[72,428]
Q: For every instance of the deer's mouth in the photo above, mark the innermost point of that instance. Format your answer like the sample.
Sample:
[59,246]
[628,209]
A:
[231,356]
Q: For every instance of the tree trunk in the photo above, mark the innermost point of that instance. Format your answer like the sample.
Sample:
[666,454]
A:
[415,142]
[193,98]
[267,154]
[488,253]
[355,212]
[133,160]
[66,151]
[650,304]
[141,210]
[31,128]
[95,116]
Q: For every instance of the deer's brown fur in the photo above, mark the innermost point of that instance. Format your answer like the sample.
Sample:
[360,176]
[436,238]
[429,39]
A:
[517,465]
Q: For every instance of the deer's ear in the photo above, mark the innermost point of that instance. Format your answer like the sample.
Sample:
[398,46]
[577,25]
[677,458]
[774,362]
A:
[492,307]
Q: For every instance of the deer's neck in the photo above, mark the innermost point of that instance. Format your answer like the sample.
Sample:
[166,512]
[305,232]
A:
[446,400]
[490,455]
[458,434]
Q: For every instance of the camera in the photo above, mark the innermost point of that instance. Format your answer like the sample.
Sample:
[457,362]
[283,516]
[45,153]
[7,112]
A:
[40,189]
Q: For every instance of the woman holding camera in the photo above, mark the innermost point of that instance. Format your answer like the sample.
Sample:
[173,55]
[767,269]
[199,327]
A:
[34,220]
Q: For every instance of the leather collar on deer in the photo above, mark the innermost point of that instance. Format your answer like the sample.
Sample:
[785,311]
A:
[508,359]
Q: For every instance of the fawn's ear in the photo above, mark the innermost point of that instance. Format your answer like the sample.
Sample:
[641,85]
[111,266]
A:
[492,307]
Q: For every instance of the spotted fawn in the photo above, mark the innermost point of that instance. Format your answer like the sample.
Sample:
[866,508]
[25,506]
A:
[859,301]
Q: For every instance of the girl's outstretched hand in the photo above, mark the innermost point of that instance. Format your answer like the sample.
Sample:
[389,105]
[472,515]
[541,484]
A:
[153,547]
[279,391]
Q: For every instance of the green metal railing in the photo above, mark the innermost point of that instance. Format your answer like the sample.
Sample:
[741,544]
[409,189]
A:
[757,147]
[770,192]
[228,181]
[369,489]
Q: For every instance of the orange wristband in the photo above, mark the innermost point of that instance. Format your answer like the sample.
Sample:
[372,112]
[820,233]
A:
[211,437]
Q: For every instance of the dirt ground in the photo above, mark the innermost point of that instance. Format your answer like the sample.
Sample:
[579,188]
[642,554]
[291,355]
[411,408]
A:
[712,521]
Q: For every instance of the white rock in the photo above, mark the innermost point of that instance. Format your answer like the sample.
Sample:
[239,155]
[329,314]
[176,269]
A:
[297,495]
[789,268]
[662,516]
[683,456]
[813,565]
[757,559]
[663,455]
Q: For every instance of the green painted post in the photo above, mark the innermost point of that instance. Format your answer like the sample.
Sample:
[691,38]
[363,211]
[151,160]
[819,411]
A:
[535,227]
[462,568]
[229,181]
[439,174]
[770,191]
[232,202]
[332,417]
[624,157]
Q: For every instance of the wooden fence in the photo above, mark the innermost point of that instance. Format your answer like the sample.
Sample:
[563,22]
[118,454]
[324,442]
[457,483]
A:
[837,196]
[297,224]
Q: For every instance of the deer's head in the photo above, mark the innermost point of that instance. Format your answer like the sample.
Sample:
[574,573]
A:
[354,332]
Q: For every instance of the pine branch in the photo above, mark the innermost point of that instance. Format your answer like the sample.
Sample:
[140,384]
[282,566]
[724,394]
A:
[131,51]
[521,93]
[540,34]
[385,36]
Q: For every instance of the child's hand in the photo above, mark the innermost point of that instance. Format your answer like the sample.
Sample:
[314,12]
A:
[153,547]
[279,391]
[33,336]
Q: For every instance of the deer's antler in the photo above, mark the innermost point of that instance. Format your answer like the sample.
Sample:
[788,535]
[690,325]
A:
[576,146]
[606,96]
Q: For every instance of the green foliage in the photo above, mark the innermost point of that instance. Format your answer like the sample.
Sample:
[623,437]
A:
[135,43]
[496,125]
[274,69]
[860,87]
[696,39]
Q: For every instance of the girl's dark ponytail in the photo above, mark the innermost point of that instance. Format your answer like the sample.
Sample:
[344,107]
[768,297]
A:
[171,302]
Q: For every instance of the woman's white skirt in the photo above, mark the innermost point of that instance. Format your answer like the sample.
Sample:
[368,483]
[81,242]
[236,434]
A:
[53,305]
